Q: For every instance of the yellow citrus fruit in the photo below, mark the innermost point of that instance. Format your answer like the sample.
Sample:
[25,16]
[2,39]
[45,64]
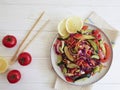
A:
[74,24]
[3,65]
[62,28]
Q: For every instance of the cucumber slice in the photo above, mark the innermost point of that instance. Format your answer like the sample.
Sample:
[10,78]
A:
[67,53]
[72,65]
[103,47]
[98,68]
[59,59]
[88,37]
[64,70]
[94,45]
[95,57]
[83,37]
[86,31]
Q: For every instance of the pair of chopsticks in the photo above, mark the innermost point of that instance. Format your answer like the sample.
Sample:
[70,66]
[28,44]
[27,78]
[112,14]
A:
[14,58]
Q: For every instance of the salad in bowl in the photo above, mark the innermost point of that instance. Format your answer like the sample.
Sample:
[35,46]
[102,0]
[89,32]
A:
[81,53]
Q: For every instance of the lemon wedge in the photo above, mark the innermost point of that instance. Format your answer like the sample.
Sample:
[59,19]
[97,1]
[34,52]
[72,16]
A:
[62,28]
[3,65]
[74,24]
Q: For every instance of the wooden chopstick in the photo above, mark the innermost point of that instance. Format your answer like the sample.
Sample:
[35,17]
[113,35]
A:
[31,29]
[35,35]
[33,38]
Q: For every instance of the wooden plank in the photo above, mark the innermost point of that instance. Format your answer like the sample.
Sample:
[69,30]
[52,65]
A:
[67,3]
[40,47]
[106,87]
[14,17]
[26,86]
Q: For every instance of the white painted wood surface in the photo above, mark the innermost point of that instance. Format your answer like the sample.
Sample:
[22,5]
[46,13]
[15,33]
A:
[17,16]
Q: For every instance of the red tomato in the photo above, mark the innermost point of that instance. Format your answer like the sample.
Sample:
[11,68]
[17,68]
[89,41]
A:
[9,41]
[24,58]
[108,53]
[69,79]
[97,34]
[14,76]
[77,36]
[84,27]
[89,52]
[73,70]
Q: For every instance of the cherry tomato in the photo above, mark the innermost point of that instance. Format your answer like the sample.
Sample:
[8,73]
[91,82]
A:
[24,58]
[14,76]
[97,34]
[9,41]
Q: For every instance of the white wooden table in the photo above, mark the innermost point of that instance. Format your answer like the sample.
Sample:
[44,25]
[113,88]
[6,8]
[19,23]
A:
[17,16]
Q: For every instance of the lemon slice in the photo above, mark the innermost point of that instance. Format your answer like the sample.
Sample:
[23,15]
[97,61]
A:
[3,65]
[62,28]
[74,24]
